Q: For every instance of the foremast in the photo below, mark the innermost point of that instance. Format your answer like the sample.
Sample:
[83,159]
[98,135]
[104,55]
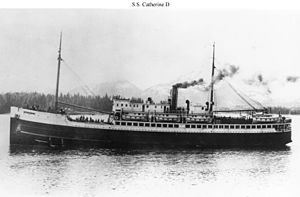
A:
[212,82]
[58,73]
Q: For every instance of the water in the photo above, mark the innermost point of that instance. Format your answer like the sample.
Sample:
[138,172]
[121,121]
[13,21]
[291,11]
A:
[105,172]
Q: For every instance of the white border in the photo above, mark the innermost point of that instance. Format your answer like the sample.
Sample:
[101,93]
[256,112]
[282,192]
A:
[177,4]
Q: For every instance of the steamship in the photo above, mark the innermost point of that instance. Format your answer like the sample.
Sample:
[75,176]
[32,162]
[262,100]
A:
[134,123]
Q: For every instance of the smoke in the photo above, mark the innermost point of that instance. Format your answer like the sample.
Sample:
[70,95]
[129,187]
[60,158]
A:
[230,72]
[226,73]
[258,80]
[189,84]
[292,79]
[233,70]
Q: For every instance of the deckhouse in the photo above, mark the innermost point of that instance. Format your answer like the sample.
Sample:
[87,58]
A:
[129,105]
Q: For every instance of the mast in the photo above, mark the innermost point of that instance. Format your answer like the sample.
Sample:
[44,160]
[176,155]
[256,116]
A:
[212,82]
[58,72]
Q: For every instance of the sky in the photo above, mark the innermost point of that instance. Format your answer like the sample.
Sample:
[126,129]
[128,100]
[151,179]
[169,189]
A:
[145,47]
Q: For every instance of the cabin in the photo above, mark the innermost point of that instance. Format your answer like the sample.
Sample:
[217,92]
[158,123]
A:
[127,105]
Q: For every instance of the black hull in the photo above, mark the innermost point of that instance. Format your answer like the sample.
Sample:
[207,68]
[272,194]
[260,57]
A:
[32,133]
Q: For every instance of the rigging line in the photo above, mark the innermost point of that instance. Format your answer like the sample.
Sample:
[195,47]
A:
[240,95]
[84,85]
[245,100]
[256,102]
[78,77]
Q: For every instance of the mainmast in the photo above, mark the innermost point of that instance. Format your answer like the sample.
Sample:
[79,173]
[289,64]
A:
[58,72]
[212,82]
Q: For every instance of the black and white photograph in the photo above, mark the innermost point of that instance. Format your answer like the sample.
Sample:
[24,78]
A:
[149,100]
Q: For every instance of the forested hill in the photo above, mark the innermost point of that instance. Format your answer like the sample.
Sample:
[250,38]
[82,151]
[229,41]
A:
[44,101]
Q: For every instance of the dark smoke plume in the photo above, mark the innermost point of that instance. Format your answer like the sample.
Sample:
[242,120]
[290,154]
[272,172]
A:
[292,79]
[224,73]
[189,84]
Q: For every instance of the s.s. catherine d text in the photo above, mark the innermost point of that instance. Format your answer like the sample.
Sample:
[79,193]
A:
[150,4]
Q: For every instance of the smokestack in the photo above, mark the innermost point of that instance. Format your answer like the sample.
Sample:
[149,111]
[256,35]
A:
[187,106]
[174,97]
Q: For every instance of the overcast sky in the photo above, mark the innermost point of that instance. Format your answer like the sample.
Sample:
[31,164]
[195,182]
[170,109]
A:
[145,47]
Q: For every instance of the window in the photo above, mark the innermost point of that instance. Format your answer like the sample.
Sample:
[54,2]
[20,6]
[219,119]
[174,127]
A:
[221,126]
[264,126]
[129,123]
[243,127]
[123,123]
[268,126]
[259,126]
[237,126]
[147,106]
[209,126]
[117,104]
[158,125]
[231,126]
[248,127]
[170,125]
[187,126]
[125,105]
[199,126]
[141,124]
[117,123]
[226,126]
[193,126]
[215,126]
[253,126]
[165,125]
[204,126]
[135,124]
[152,125]
[176,126]
[121,104]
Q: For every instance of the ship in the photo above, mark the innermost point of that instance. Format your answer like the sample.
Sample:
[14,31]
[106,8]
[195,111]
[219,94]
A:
[135,123]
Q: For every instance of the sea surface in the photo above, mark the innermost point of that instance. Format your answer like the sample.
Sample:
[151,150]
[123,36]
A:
[162,172]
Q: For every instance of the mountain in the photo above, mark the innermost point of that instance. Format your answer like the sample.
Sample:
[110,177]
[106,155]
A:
[246,91]
[240,91]
[158,92]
